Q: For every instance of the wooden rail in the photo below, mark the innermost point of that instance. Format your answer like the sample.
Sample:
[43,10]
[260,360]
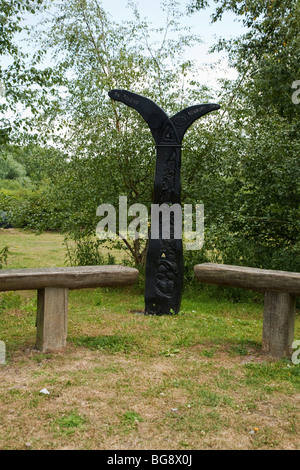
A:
[280,289]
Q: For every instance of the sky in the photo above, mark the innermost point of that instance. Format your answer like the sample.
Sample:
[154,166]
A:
[198,21]
[200,24]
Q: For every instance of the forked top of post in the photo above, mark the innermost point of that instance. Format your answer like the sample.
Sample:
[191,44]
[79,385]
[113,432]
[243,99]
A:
[158,121]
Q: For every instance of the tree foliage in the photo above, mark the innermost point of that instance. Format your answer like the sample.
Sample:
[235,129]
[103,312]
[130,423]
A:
[241,163]
[111,151]
[267,55]
[25,82]
[27,177]
[259,221]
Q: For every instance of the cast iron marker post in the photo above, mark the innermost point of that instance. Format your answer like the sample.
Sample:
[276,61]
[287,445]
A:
[164,261]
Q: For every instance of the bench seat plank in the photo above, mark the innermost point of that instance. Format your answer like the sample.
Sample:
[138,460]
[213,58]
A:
[248,278]
[69,277]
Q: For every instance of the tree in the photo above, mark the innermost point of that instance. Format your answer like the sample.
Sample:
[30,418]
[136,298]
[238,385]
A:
[259,174]
[23,81]
[40,164]
[10,169]
[27,174]
[111,151]
[267,55]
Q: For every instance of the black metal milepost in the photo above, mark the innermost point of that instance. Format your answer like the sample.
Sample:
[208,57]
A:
[164,261]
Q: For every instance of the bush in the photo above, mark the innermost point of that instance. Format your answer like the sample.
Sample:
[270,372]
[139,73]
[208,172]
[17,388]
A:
[4,256]
[28,208]
[85,251]
[190,259]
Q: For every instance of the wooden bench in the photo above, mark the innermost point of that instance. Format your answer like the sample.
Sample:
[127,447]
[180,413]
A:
[52,285]
[280,289]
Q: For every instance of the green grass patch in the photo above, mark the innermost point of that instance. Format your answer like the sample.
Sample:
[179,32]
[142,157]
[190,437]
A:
[280,375]
[108,343]
[69,423]
[9,300]
[197,380]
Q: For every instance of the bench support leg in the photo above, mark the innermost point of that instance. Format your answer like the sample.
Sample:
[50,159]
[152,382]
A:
[278,324]
[52,316]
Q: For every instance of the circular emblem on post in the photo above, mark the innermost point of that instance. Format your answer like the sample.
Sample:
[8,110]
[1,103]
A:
[180,121]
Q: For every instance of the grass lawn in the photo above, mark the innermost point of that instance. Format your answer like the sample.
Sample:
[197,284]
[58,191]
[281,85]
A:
[197,380]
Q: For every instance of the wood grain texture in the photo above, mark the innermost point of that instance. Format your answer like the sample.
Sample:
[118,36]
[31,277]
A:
[69,277]
[278,324]
[52,317]
[248,278]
